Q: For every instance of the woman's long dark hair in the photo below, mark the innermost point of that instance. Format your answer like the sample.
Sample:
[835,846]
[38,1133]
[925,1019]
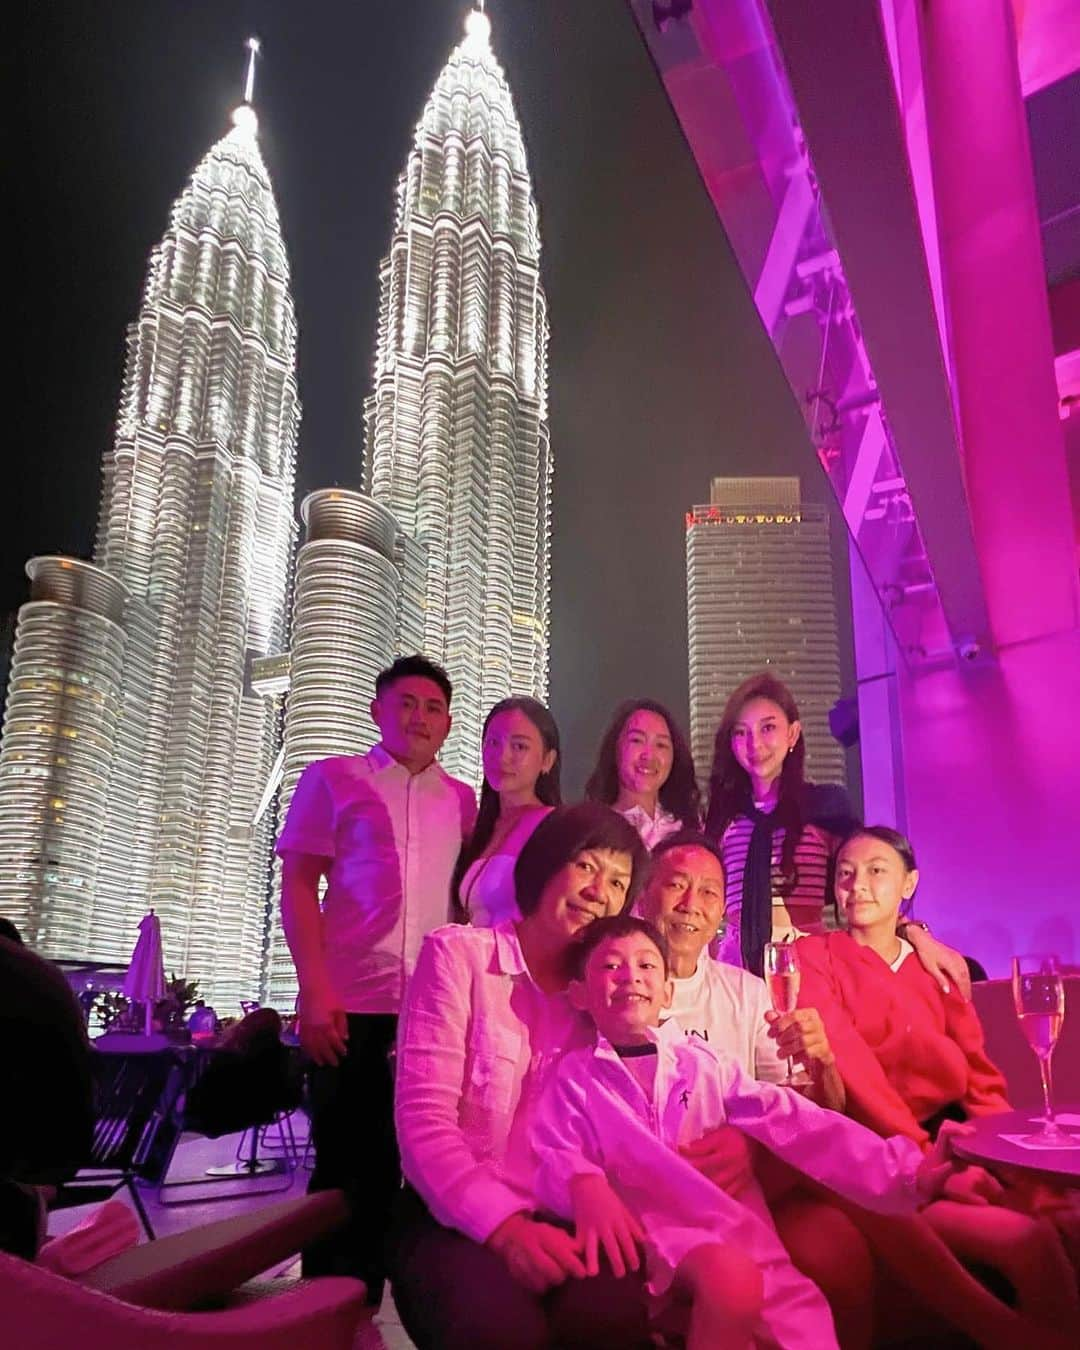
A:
[679,795]
[548,789]
[729,783]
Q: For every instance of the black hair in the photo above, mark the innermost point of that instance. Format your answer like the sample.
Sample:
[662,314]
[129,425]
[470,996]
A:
[690,839]
[565,833]
[898,842]
[605,930]
[679,795]
[729,783]
[548,789]
[416,664]
[9,931]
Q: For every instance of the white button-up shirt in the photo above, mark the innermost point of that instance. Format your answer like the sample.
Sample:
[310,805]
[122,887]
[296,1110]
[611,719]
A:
[653,829]
[726,1006]
[595,1117]
[392,839]
[477,1040]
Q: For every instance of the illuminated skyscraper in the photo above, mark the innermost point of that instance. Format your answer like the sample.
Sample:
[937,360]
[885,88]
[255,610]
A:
[759,586]
[194,546]
[348,599]
[457,433]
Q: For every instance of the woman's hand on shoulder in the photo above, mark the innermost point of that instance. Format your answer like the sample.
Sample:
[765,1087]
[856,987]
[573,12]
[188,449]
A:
[538,1255]
[604,1223]
[946,965]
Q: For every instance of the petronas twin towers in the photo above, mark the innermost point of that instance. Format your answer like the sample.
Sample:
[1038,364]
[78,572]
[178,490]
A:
[163,700]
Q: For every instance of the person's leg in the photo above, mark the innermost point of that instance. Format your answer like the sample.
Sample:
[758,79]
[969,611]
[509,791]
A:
[455,1294]
[602,1312]
[1027,1251]
[352,1127]
[829,1250]
[909,1250]
[725,1291]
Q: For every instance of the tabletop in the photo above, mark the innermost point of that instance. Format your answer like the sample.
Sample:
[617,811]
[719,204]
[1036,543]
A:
[989,1144]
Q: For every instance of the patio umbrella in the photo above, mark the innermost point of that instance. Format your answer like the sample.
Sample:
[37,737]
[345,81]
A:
[145,980]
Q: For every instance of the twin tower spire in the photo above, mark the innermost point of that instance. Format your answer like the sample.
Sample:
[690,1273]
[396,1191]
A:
[164,699]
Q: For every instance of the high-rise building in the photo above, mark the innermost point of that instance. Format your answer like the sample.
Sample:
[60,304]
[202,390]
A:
[189,588]
[457,433]
[346,617]
[759,587]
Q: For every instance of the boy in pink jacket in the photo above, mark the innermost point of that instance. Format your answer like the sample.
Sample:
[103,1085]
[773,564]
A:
[607,1133]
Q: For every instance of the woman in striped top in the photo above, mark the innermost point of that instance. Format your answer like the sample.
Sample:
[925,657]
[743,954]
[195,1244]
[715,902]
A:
[778,834]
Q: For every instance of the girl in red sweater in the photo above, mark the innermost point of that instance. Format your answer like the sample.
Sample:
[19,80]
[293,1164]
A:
[911,1055]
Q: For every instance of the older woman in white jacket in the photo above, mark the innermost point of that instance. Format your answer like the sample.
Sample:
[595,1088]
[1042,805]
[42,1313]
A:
[485,1019]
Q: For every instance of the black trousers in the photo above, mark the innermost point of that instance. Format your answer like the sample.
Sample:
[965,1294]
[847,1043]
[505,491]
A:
[352,1126]
[455,1294]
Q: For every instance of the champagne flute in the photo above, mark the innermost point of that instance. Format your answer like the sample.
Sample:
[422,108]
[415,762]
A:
[782,976]
[1039,998]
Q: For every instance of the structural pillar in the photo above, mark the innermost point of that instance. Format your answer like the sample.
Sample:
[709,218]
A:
[995,284]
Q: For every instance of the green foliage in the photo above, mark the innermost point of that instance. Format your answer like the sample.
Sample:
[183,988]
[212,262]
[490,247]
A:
[180,995]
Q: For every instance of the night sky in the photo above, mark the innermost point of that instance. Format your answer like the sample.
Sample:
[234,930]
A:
[660,375]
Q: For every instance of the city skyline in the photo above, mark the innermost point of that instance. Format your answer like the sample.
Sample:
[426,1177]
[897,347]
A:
[633,447]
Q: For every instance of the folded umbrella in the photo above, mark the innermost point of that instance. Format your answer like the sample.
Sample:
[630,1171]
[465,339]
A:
[145,979]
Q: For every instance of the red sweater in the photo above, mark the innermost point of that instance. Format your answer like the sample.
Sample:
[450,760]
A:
[903,1048]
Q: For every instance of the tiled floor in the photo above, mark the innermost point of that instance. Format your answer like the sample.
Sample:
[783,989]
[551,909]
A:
[221,1200]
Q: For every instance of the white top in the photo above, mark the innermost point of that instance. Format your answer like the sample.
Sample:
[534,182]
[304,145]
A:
[594,1117]
[392,839]
[906,949]
[477,1039]
[726,1006]
[653,829]
[487,888]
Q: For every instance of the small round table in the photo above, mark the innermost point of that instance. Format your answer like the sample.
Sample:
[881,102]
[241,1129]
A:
[987,1146]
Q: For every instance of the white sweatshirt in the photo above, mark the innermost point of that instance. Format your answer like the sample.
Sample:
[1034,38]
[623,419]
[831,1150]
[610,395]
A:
[594,1117]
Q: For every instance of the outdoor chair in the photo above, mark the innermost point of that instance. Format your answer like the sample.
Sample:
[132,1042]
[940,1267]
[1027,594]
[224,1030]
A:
[250,1083]
[133,1094]
[43,1311]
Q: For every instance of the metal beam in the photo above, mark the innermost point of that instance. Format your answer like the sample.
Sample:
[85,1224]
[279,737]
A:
[837,62]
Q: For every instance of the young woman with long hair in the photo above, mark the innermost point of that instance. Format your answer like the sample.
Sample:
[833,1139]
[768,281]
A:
[521,785]
[778,833]
[644,769]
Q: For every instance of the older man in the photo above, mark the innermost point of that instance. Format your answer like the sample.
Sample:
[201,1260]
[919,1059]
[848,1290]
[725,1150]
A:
[730,1008]
[723,1004]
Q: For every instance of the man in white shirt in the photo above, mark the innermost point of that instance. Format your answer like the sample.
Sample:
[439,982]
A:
[723,1004]
[384,829]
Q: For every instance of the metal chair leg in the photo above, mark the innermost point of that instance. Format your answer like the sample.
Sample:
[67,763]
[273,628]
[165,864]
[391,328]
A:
[140,1208]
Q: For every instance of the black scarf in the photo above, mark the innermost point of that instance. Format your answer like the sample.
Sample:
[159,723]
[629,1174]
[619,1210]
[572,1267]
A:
[824,804]
[755,922]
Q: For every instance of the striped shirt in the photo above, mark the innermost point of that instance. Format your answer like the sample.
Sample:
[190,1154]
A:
[798,913]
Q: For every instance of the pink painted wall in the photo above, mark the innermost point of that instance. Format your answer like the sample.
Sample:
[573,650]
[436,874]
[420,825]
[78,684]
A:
[992,770]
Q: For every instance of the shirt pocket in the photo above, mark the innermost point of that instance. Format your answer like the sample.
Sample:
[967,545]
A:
[493,1071]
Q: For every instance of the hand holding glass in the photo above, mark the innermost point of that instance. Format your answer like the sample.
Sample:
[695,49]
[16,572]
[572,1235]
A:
[782,976]
[1039,998]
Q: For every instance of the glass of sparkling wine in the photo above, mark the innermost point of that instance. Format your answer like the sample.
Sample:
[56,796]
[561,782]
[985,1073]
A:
[782,976]
[1039,998]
